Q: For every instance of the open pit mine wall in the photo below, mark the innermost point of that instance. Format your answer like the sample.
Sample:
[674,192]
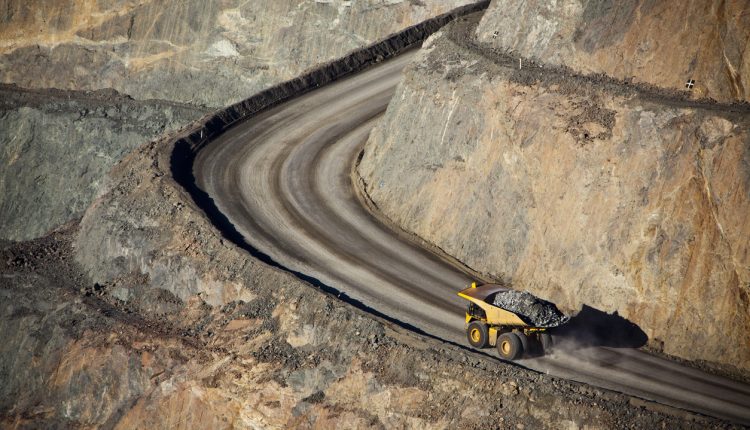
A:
[271,351]
[582,190]
[203,52]
[663,43]
[167,61]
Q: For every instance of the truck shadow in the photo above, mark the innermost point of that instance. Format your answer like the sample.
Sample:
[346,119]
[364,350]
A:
[592,327]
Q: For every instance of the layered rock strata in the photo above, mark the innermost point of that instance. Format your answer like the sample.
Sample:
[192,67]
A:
[210,53]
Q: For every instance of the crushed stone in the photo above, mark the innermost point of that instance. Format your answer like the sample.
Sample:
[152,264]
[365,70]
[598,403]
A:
[531,309]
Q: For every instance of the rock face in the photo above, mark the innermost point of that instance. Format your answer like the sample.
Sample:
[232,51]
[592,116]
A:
[579,190]
[57,146]
[201,52]
[664,43]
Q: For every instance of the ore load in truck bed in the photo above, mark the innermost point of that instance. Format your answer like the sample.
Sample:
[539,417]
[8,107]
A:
[531,309]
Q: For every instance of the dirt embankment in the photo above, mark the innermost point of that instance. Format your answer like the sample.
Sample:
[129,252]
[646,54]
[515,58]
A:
[584,190]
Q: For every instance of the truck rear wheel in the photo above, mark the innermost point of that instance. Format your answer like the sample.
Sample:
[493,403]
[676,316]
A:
[546,340]
[478,334]
[509,346]
[524,341]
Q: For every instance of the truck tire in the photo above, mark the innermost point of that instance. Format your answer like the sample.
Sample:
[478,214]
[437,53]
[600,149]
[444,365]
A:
[524,342]
[546,340]
[478,334]
[509,346]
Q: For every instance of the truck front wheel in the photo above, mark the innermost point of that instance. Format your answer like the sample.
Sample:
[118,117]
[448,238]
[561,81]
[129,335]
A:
[478,334]
[509,346]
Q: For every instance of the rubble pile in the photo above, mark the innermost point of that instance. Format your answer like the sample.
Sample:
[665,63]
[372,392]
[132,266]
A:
[533,310]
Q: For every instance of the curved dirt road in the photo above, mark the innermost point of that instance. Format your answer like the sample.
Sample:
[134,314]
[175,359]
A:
[282,178]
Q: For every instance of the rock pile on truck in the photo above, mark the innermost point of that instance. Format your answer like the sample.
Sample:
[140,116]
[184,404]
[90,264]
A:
[533,310]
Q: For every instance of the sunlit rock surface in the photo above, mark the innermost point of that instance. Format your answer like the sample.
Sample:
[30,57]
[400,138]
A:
[582,191]
[658,42]
[194,51]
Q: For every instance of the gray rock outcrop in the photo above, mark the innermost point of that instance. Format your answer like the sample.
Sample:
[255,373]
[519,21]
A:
[531,309]
[57,146]
[210,53]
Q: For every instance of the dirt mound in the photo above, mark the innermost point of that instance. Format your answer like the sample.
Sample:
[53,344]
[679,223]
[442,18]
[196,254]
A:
[531,309]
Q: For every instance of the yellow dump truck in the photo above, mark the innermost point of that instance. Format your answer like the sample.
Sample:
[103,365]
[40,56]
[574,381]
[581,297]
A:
[490,325]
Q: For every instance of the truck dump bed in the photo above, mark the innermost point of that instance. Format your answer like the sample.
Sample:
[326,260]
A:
[494,314]
[526,309]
